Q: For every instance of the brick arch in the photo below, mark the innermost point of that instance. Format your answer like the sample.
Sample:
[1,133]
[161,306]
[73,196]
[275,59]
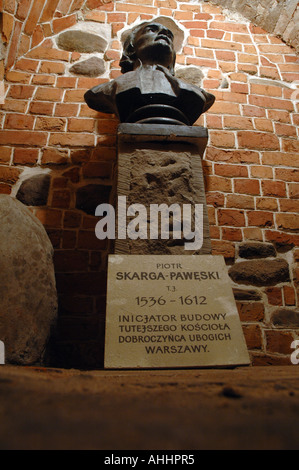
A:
[280,18]
[28,23]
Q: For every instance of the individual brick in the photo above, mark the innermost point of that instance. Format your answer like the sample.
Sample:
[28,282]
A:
[289,205]
[223,248]
[50,124]
[231,217]
[49,11]
[287,222]
[32,19]
[231,170]
[260,218]
[9,175]
[55,156]
[273,188]
[262,172]
[247,186]
[253,336]
[71,139]
[80,125]
[12,137]
[25,156]
[63,23]
[232,156]
[222,139]
[13,48]
[258,140]
[18,121]
[280,159]
[266,204]
[218,183]
[61,198]
[40,107]
[48,94]
[289,295]
[251,312]
[240,201]
[51,218]
[279,341]
[267,102]
[274,295]
[21,91]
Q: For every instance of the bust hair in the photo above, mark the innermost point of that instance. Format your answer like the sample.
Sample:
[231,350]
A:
[129,56]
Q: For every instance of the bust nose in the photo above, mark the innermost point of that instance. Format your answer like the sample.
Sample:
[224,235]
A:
[163,31]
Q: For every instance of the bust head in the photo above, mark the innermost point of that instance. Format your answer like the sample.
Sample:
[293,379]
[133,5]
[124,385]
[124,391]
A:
[149,43]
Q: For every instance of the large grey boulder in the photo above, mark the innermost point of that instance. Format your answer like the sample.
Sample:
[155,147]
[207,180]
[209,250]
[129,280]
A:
[28,298]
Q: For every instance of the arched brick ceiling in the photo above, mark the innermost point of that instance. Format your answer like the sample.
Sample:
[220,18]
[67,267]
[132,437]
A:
[278,17]
[30,21]
[27,24]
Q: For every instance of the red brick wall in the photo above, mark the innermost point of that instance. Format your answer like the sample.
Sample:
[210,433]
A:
[251,163]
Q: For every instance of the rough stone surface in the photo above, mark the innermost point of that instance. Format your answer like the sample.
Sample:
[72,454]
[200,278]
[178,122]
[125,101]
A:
[242,294]
[192,75]
[275,16]
[288,28]
[90,196]
[171,173]
[27,284]
[34,191]
[81,41]
[92,67]
[250,250]
[286,318]
[260,272]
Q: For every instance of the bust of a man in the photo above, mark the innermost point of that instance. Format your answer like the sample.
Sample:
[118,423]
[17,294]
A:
[148,91]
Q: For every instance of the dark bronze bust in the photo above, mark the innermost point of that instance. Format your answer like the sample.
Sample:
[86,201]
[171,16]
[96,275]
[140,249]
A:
[148,92]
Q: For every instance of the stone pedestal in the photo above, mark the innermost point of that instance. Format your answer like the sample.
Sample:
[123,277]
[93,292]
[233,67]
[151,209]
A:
[165,309]
[161,165]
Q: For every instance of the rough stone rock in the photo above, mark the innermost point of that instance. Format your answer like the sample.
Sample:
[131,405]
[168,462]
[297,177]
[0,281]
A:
[192,75]
[286,318]
[27,284]
[81,41]
[260,272]
[34,191]
[242,294]
[90,196]
[171,173]
[92,67]
[251,250]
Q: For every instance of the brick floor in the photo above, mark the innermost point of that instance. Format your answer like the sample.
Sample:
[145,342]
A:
[198,409]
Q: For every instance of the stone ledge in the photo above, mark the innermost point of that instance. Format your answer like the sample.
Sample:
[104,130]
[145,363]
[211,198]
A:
[196,135]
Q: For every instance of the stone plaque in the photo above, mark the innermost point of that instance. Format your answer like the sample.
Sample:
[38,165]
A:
[166,311]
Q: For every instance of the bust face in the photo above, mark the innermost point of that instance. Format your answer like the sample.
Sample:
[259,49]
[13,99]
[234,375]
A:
[153,44]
